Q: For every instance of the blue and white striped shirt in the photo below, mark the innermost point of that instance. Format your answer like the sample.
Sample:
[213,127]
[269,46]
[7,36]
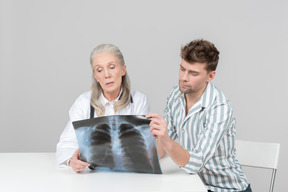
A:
[207,132]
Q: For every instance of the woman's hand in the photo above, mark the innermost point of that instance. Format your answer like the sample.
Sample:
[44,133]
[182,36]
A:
[76,164]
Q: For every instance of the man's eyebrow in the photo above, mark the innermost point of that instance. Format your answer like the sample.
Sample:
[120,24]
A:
[189,71]
[182,66]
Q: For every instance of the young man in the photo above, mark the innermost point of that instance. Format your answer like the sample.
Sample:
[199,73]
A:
[200,118]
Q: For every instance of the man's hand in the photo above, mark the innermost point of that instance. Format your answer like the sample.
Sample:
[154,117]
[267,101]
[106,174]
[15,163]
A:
[75,162]
[165,144]
[158,127]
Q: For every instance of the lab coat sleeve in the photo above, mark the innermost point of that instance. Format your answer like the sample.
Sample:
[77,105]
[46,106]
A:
[68,144]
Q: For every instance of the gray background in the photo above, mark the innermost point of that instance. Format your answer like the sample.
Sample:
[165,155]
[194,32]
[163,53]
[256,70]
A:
[44,63]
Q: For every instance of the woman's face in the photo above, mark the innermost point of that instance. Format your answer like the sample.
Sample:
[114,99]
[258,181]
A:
[108,72]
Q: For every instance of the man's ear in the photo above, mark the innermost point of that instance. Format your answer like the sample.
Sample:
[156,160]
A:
[211,76]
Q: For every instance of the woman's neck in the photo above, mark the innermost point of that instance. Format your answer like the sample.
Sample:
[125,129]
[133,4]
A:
[111,96]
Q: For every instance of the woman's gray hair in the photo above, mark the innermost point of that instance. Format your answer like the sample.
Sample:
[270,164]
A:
[96,87]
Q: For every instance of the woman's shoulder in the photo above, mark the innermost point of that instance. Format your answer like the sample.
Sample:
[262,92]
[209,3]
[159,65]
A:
[137,95]
[84,98]
[141,103]
[85,95]
[81,106]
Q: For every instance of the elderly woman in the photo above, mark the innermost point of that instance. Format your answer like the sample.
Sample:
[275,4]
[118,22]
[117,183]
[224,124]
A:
[110,94]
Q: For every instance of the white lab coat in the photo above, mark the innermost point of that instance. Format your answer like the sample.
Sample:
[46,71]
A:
[81,110]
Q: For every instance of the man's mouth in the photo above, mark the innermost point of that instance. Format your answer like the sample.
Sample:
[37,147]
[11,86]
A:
[183,85]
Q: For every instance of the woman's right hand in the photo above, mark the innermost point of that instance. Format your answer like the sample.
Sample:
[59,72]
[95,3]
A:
[75,162]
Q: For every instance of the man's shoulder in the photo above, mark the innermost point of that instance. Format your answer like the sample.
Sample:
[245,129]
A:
[219,96]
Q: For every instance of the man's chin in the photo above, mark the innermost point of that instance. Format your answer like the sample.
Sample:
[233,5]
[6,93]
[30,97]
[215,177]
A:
[185,91]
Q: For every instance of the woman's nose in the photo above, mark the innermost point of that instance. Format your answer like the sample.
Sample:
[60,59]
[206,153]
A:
[107,74]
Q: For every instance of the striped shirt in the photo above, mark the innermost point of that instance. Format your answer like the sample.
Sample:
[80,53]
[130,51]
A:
[207,132]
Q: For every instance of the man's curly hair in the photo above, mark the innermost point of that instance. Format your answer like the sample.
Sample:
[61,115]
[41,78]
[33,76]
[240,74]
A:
[201,51]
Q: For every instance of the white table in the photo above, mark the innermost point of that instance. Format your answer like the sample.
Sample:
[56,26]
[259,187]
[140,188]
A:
[38,172]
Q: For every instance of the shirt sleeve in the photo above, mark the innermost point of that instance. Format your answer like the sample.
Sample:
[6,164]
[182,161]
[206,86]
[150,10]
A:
[68,144]
[169,117]
[218,120]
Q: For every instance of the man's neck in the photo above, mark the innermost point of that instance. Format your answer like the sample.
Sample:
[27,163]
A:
[192,98]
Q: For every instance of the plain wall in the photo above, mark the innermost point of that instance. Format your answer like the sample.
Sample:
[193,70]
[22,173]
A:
[44,63]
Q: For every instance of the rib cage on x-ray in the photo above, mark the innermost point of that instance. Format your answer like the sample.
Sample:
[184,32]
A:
[121,143]
[101,147]
[135,155]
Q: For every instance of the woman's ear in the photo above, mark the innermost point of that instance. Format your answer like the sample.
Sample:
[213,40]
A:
[123,70]
[94,76]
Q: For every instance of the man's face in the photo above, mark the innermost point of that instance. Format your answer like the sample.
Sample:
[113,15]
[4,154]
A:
[193,78]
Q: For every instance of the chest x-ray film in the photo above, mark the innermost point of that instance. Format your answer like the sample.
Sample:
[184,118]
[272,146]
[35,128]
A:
[119,143]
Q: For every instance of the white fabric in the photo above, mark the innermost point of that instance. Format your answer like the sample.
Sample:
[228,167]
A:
[81,110]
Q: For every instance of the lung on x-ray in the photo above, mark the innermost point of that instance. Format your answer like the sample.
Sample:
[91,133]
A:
[118,143]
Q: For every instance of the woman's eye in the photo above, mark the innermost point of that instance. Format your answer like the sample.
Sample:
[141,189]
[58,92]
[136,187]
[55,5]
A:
[99,70]
[112,66]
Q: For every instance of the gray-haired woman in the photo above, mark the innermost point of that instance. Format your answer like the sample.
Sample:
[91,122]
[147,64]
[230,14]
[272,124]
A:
[110,94]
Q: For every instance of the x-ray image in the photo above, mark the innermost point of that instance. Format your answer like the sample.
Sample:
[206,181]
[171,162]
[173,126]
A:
[119,143]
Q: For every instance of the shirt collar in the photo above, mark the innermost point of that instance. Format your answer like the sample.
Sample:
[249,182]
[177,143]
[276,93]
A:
[205,100]
[208,96]
[104,101]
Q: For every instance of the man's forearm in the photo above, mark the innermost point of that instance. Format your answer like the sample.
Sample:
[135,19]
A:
[161,152]
[176,152]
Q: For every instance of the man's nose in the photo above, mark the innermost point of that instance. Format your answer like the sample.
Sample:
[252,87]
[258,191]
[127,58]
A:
[184,76]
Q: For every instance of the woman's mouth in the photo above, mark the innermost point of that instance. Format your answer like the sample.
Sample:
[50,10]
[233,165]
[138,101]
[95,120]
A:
[109,84]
